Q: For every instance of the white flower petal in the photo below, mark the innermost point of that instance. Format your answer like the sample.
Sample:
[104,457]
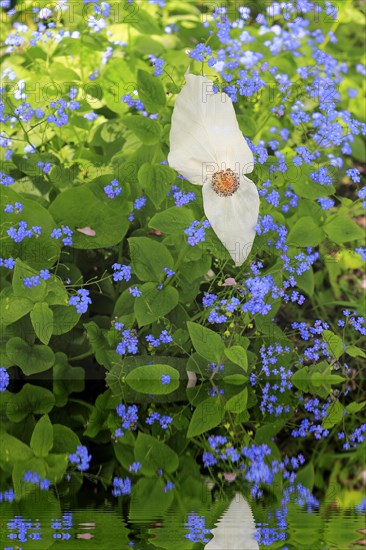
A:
[233,218]
[205,135]
[235,529]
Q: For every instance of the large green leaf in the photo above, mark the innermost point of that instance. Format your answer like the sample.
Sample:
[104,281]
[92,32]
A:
[13,307]
[341,229]
[146,129]
[154,455]
[42,321]
[147,379]
[154,180]
[30,400]
[89,206]
[149,499]
[206,342]
[305,232]
[173,220]
[31,359]
[154,303]
[151,91]
[237,355]
[38,252]
[12,449]
[42,437]
[207,415]
[148,258]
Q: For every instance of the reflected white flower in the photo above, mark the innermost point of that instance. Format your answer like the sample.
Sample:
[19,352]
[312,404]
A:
[208,148]
[235,529]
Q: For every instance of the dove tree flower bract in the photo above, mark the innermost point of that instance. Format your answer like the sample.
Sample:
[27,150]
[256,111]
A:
[208,148]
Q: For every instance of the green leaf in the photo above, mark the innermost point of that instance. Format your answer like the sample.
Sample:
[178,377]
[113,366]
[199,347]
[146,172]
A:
[334,415]
[147,130]
[305,232]
[354,408]
[56,466]
[65,439]
[237,355]
[355,351]
[309,189]
[144,22]
[89,206]
[301,379]
[116,379]
[30,400]
[64,319]
[23,488]
[207,415]
[13,307]
[36,293]
[147,379]
[321,379]
[38,252]
[235,379]
[247,125]
[334,343]
[148,258]
[66,379]
[155,180]
[153,303]
[306,476]
[148,494]
[154,455]
[117,80]
[341,229]
[151,91]
[305,281]
[238,403]
[42,321]
[31,359]
[206,342]
[12,449]
[42,437]
[173,220]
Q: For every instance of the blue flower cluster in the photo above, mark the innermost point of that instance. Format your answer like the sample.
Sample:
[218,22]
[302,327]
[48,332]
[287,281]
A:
[129,417]
[15,208]
[7,496]
[121,486]
[180,197]
[129,342]
[158,64]
[121,272]
[9,263]
[113,189]
[164,420]
[164,338]
[64,232]
[22,232]
[278,380]
[36,280]
[197,531]
[34,477]
[196,232]
[81,300]
[80,458]
[4,379]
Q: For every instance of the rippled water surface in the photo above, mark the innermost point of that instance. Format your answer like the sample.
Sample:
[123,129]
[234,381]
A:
[41,523]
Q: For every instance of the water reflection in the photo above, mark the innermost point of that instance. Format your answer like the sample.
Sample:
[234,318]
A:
[238,524]
[235,528]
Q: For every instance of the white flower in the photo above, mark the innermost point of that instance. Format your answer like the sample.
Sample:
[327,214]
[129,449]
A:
[208,148]
[235,529]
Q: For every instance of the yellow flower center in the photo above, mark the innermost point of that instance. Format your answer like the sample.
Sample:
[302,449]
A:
[225,182]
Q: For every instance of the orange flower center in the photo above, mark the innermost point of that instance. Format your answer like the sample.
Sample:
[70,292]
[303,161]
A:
[225,182]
